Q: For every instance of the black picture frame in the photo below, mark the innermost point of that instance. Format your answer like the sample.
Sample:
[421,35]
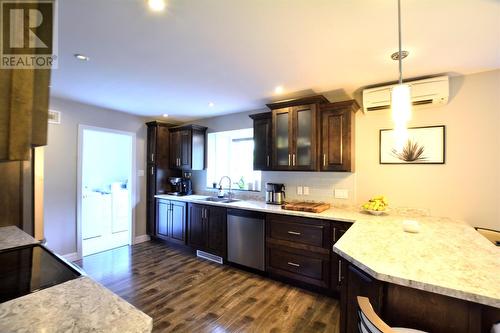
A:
[443,159]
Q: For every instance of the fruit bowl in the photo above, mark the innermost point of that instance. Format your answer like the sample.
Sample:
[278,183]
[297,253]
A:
[375,212]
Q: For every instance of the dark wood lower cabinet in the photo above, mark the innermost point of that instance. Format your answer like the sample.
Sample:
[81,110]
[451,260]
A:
[299,249]
[401,306]
[207,229]
[359,283]
[171,221]
[306,267]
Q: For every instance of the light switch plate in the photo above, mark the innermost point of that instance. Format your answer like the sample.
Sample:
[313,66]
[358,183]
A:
[140,173]
[341,194]
[299,190]
[306,190]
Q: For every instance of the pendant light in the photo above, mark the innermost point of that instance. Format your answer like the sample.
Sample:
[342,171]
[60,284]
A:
[400,96]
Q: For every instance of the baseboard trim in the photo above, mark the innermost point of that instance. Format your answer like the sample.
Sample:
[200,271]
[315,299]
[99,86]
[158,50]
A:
[141,239]
[71,256]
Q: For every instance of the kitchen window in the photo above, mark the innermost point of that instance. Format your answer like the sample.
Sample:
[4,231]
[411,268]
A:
[230,154]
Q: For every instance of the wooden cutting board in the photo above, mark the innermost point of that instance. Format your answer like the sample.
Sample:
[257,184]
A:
[302,206]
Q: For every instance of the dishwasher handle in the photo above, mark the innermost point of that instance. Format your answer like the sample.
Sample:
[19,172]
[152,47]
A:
[246,213]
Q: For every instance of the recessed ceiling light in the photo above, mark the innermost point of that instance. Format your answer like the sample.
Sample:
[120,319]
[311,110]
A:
[81,57]
[165,115]
[279,90]
[211,104]
[157,5]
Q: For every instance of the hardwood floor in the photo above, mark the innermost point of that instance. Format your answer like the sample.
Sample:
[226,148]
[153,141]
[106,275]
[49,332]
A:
[183,293]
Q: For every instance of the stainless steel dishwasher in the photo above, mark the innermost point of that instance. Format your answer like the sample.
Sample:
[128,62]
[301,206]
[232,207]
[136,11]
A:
[245,238]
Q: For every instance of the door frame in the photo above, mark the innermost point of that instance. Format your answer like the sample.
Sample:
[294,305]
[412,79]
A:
[79,192]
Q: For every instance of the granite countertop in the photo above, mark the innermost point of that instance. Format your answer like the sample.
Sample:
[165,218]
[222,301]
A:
[13,237]
[447,256]
[79,305]
[342,215]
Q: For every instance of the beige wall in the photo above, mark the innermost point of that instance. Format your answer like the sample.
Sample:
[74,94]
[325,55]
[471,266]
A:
[466,187]
[61,169]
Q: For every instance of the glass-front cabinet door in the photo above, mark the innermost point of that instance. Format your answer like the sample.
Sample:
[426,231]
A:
[294,138]
[304,138]
[282,139]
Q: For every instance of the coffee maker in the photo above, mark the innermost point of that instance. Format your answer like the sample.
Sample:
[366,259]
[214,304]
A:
[275,193]
[181,186]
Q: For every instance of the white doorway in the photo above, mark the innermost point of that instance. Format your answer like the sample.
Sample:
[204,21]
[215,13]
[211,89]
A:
[106,187]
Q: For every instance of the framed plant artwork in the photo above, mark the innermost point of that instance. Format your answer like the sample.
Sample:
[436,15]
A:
[425,145]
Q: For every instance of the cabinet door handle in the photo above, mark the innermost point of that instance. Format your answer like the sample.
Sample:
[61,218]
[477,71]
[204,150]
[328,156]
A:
[324,159]
[152,157]
[152,171]
[340,272]
[289,159]
[334,235]
[293,264]
[293,159]
[294,233]
[267,160]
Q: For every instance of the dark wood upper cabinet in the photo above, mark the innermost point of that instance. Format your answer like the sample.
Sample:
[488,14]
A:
[187,147]
[294,133]
[262,134]
[336,133]
[307,134]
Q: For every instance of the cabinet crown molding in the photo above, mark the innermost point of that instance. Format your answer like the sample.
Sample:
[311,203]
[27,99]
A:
[315,99]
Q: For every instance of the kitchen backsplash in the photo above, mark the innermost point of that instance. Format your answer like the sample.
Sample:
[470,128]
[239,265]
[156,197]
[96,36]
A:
[321,185]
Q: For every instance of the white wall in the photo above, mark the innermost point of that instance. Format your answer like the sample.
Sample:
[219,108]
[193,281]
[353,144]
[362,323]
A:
[61,169]
[466,187]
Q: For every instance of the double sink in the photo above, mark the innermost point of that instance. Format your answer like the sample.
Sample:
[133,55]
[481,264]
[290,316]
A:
[221,200]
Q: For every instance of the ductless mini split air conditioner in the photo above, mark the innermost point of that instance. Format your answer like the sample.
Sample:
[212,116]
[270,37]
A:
[427,92]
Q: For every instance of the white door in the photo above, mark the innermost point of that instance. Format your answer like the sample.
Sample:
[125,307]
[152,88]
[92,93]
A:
[106,210]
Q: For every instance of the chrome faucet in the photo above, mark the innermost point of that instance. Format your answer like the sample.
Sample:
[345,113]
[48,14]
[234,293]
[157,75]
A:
[221,192]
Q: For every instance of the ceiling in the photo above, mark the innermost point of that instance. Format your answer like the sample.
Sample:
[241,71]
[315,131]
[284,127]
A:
[234,52]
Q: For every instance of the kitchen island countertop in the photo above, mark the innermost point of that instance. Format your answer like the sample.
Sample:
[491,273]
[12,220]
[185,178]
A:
[13,236]
[78,305]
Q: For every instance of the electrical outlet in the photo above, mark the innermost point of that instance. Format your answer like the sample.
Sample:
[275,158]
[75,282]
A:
[140,173]
[299,190]
[341,194]
[306,190]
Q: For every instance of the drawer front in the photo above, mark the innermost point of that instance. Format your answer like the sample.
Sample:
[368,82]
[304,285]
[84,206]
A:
[302,268]
[309,234]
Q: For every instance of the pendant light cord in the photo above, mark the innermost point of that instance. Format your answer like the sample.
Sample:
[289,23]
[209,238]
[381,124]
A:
[400,54]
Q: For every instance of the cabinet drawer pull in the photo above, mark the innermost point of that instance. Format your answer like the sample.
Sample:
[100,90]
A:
[324,159]
[293,264]
[267,160]
[289,159]
[293,159]
[294,233]
[340,272]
